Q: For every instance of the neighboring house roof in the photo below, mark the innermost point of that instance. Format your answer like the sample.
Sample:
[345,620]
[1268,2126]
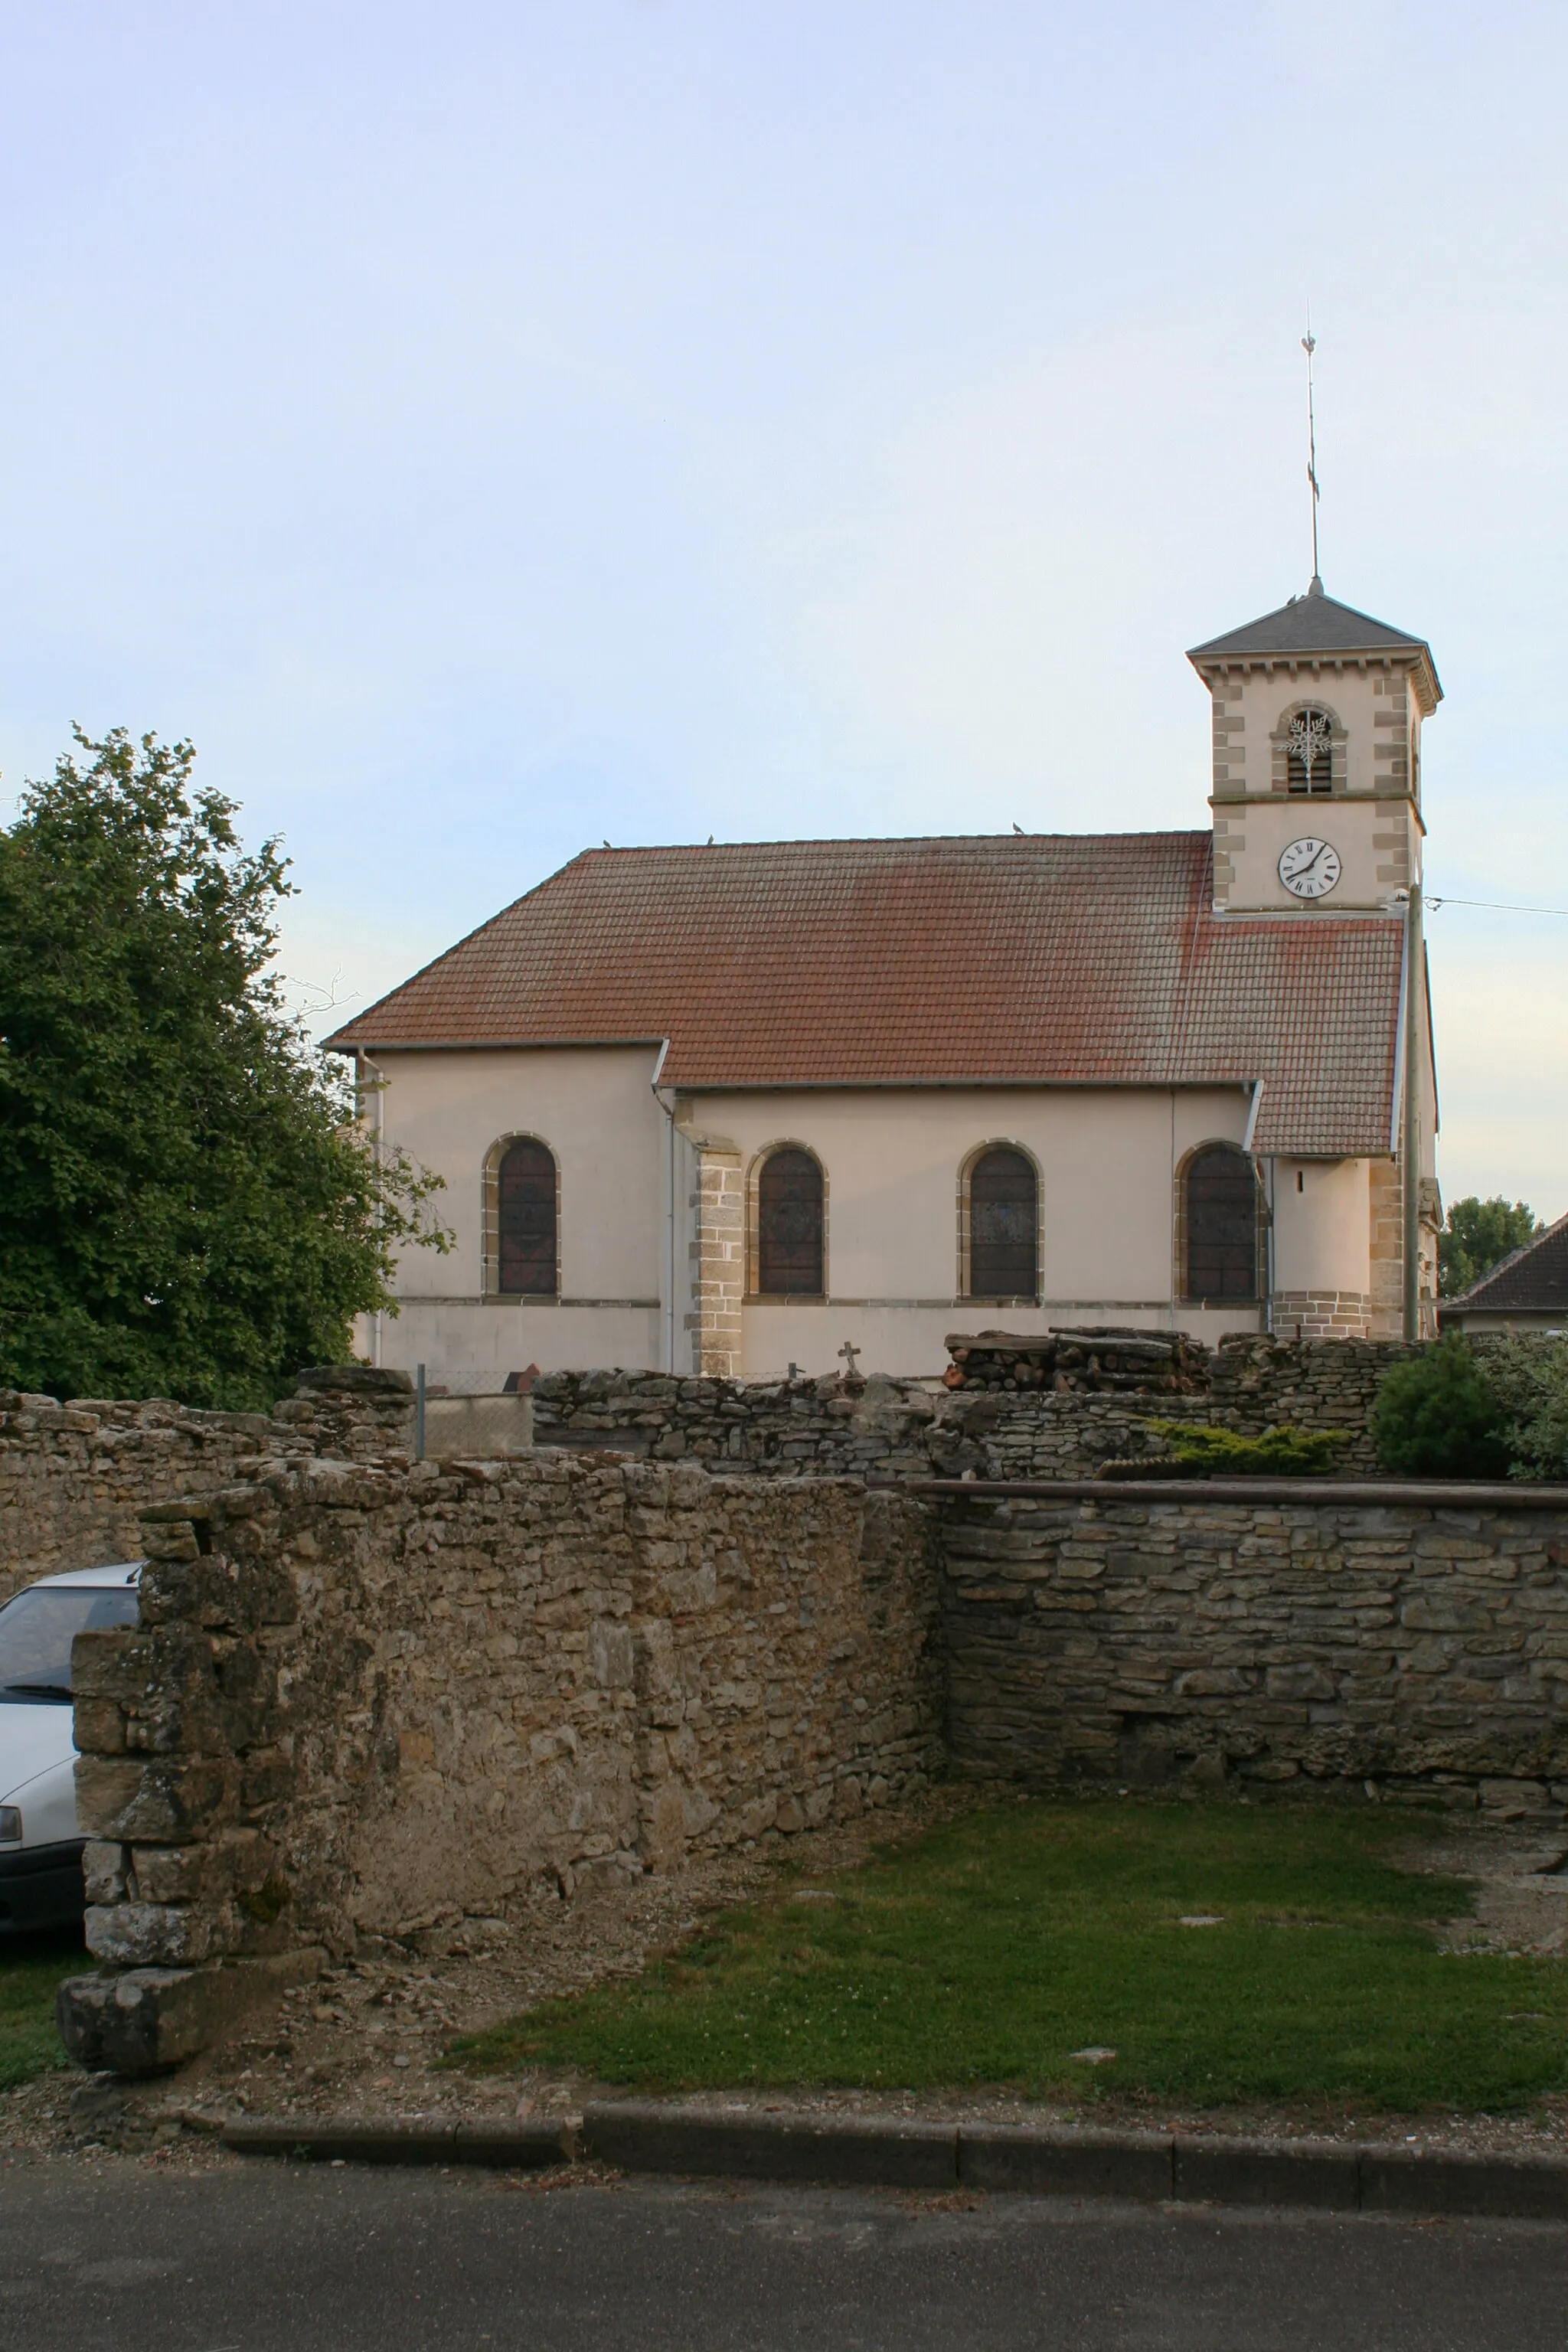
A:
[1533,1281]
[1316,625]
[1034,959]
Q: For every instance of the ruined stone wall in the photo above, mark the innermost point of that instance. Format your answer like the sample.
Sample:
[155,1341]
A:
[1416,1644]
[1321,1384]
[359,1696]
[1055,1407]
[74,1477]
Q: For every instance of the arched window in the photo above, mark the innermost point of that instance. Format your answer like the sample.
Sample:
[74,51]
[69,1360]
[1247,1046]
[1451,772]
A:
[1309,752]
[525,1220]
[1004,1225]
[789,1225]
[1221,1225]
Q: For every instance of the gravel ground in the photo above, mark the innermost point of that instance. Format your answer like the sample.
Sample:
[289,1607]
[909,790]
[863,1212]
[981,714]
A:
[366,2037]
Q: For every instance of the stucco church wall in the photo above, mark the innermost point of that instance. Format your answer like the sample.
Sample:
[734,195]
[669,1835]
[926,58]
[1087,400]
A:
[1321,1225]
[595,1110]
[893,1163]
[360,1697]
[1399,1649]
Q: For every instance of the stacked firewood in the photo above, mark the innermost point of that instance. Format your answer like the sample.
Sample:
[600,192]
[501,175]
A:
[1097,1359]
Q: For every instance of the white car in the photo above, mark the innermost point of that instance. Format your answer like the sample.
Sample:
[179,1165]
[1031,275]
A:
[40,1844]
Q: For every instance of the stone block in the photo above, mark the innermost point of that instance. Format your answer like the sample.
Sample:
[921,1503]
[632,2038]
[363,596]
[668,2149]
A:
[145,2021]
[149,1804]
[106,1870]
[163,1935]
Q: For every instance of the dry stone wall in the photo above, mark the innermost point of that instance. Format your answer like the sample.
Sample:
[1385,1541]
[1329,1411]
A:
[1055,1407]
[74,1477]
[359,1696]
[1408,1646]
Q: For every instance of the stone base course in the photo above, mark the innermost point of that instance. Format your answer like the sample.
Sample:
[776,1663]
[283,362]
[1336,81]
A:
[146,2020]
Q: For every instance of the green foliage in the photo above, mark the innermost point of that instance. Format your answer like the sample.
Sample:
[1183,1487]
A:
[1437,1417]
[991,1951]
[1282,1452]
[1529,1378]
[30,1972]
[187,1207]
[1479,1236]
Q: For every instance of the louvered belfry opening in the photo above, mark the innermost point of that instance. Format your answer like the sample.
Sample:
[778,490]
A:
[789,1226]
[1004,1226]
[1309,758]
[1221,1225]
[526,1220]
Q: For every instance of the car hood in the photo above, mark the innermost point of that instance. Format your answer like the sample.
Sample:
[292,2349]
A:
[32,1740]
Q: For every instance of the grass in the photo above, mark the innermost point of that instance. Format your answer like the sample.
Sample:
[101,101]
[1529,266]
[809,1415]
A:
[990,1951]
[29,1972]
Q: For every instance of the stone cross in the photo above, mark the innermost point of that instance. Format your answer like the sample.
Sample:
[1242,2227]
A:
[850,1351]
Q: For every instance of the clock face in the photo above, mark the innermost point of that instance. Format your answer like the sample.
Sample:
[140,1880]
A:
[1309,869]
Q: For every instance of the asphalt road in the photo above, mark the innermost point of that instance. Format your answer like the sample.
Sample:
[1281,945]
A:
[272,2257]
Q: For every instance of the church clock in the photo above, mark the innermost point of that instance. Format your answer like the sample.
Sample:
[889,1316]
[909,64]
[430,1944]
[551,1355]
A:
[1310,868]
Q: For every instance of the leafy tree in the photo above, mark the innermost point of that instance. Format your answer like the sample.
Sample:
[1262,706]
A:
[1437,1417]
[1528,1374]
[187,1207]
[1479,1236]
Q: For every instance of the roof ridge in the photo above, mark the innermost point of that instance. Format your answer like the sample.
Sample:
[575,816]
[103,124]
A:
[1495,1273]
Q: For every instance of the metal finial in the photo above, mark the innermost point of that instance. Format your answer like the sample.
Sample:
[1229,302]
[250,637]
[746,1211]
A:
[1310,344]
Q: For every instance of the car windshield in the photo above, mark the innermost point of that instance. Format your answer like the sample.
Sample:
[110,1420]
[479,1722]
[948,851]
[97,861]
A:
[37,1629]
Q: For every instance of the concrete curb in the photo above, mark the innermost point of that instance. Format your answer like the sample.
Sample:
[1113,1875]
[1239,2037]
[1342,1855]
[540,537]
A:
[346,2139]
[1041,2160]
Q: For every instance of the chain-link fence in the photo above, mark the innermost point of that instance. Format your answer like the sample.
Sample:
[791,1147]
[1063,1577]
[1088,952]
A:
[466,1414]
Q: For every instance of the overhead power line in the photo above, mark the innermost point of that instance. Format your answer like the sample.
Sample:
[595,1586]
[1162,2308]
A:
[1495,905]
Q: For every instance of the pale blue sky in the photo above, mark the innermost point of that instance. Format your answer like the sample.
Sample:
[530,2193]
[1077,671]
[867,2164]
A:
[487,429]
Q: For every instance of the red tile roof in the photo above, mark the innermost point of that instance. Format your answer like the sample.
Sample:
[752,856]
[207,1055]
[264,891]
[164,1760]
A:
[1066,959]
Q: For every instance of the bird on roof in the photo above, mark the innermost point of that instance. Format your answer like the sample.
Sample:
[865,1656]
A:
[1017,827]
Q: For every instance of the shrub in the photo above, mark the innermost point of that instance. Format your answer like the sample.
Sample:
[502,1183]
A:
[1437,1417]
[1282,1452]
[1529,1378]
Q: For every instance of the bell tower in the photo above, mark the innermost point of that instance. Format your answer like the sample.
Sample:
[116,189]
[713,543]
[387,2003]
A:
[1316,793]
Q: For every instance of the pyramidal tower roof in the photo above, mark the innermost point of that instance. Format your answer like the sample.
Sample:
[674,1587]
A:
[1318,627]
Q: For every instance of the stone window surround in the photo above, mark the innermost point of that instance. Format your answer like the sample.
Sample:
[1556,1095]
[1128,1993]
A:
[1179,1292]
[1280,748]
[965,1174]
[490,1290]
[754,1296]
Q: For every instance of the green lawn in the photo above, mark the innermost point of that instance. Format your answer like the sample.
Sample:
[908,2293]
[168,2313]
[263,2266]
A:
[990,1951]
[28,1975]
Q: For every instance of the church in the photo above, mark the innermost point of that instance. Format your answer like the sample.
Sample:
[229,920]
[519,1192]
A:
[727,1110]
